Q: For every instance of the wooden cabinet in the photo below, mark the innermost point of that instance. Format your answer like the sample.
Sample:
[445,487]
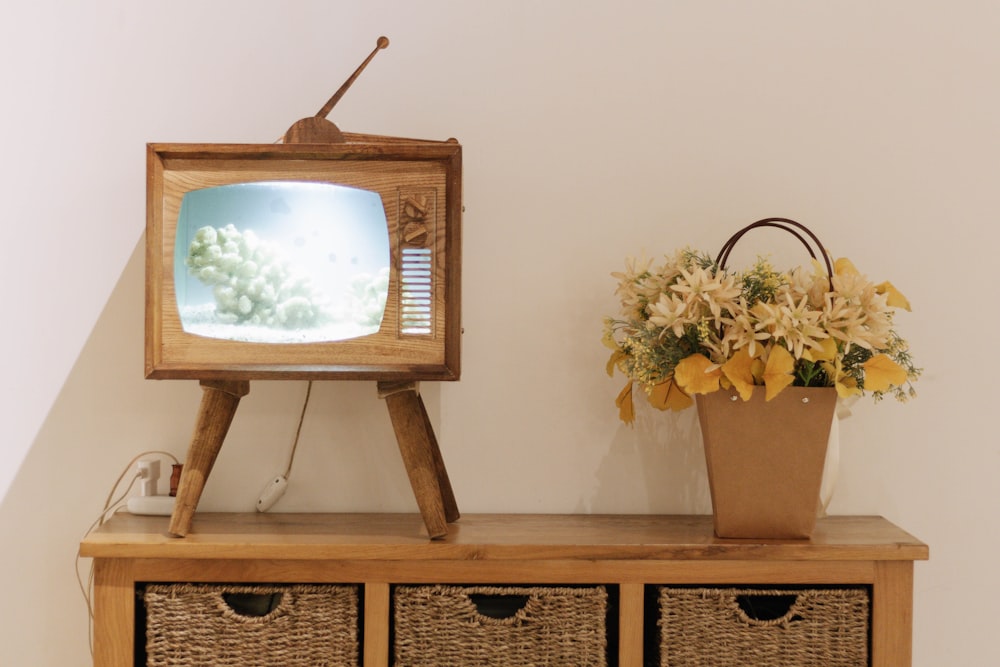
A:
[629,555]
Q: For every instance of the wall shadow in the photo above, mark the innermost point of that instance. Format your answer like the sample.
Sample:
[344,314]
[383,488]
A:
[655,466]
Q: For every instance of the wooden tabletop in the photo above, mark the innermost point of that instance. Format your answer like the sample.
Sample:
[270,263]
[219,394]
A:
[487,537]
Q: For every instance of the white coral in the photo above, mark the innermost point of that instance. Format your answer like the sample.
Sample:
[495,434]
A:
[367,296]
[252,282]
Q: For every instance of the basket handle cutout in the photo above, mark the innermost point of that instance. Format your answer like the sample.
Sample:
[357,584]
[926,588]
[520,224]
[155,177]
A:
[762,608]
[790,226]
[498,606]
[253,605]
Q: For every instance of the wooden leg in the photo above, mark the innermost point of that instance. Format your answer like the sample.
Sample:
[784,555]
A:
[892,614]
[421,456]
[631,611]
[218,407]
[114,612]
[376,629]
[447,494]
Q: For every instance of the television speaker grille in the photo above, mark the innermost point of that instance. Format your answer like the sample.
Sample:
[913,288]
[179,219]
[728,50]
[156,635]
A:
[416,300]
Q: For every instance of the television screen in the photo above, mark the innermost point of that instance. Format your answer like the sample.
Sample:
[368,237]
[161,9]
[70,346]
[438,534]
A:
[281,262]
[304,260]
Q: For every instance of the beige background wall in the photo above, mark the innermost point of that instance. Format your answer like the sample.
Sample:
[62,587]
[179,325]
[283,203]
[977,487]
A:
[592,131]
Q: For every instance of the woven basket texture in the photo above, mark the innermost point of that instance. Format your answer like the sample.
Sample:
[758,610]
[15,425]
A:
[192,625]
[708,627]
[441,625]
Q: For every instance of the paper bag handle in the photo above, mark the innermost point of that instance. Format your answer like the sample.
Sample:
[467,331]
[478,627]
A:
[787,225]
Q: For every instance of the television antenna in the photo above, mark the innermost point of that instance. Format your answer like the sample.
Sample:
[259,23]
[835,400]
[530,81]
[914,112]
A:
[317,129]
[414,432]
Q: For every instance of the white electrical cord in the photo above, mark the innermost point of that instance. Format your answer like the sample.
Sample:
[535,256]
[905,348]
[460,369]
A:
[275,488]
[298,430]
[111,505]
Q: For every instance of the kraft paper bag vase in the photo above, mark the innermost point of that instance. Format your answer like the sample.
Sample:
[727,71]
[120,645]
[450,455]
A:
[765,459]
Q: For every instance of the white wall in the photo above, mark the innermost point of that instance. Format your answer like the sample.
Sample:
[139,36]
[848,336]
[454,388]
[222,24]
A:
[592,131]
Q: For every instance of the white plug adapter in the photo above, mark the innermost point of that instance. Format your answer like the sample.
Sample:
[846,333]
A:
[272,493]
[148,501]
[149,475]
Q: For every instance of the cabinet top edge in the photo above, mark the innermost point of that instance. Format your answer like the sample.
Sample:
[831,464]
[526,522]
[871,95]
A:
[489,537]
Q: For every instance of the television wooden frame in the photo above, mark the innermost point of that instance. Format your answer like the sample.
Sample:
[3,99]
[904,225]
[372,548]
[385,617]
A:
[389,166]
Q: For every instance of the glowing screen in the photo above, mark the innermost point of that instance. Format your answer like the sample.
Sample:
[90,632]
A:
[281,262]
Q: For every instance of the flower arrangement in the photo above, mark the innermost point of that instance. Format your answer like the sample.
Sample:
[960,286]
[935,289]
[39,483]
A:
[691,326]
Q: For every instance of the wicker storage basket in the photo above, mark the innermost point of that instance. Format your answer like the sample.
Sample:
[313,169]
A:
[442,625]
[198,624]
[730,627]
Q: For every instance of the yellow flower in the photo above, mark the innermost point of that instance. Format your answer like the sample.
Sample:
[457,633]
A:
[827,351]
[738,370]
[894,297]
[669,396]
[845,267]
[778,371]
[881,372]
[845,384]
[616,356]
[626,409]
[758,327]
[696,374]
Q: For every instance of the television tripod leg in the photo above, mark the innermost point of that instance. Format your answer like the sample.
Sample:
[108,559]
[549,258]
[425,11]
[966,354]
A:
[421,456]
[218,407]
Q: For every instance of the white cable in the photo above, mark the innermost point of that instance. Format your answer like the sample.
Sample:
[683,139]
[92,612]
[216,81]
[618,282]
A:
[298,430]
[111,505]
[276,486]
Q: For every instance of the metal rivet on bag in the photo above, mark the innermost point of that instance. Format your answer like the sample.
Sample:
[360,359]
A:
[733,398]
[805,400]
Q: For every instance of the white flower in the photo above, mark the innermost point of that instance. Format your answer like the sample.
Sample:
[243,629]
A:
[669,312]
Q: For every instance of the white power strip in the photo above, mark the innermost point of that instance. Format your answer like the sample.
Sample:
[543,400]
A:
[153,505]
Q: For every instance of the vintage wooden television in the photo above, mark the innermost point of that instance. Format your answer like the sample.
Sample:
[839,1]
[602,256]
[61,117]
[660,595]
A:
[304,260]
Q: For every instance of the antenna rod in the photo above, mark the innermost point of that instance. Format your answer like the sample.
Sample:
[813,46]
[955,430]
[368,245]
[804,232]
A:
[382,43]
